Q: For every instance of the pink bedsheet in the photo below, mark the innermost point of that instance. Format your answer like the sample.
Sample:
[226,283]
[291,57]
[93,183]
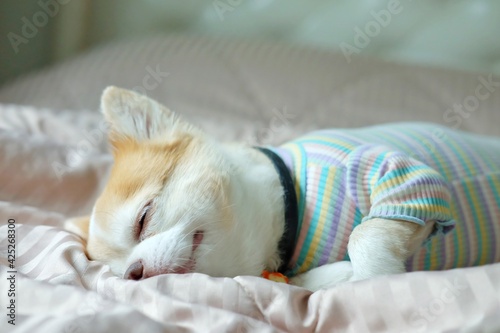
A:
[53,164]
[59,290]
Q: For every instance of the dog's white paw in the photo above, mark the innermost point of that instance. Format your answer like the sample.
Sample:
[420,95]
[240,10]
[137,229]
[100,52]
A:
[325,276]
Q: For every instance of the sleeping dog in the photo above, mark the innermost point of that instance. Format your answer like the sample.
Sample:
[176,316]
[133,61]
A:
[329,207]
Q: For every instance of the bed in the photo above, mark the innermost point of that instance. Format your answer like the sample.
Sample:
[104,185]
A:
[54,160]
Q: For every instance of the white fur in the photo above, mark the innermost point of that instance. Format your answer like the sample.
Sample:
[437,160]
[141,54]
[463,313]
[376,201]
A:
[185,204]
[183,207]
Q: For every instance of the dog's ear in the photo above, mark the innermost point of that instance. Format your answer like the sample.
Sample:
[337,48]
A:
[79,226]
[135,116]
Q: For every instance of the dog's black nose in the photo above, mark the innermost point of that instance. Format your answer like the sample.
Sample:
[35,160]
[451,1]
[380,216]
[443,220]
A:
[135,271]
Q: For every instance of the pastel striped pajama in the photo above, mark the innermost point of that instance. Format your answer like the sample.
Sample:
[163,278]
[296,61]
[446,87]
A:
[413,172]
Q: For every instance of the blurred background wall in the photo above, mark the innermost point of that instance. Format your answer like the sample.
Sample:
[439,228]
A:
[462,34]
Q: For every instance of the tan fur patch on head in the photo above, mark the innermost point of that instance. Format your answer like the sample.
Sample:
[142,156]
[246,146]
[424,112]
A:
[138,164]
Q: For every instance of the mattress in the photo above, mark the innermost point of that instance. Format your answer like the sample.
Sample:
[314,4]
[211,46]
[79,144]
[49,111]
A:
[54,161]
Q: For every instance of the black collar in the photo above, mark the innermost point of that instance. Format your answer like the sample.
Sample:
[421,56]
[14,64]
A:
[287,242]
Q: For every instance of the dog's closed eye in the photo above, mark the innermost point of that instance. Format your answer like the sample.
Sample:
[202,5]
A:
[142,221]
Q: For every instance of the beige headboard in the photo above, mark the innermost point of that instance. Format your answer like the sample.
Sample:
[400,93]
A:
[459,34]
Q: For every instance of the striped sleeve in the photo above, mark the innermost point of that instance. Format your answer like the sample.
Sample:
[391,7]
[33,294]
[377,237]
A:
[392,185]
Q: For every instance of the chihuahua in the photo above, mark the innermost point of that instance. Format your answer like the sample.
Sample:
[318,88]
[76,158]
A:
[329,207]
